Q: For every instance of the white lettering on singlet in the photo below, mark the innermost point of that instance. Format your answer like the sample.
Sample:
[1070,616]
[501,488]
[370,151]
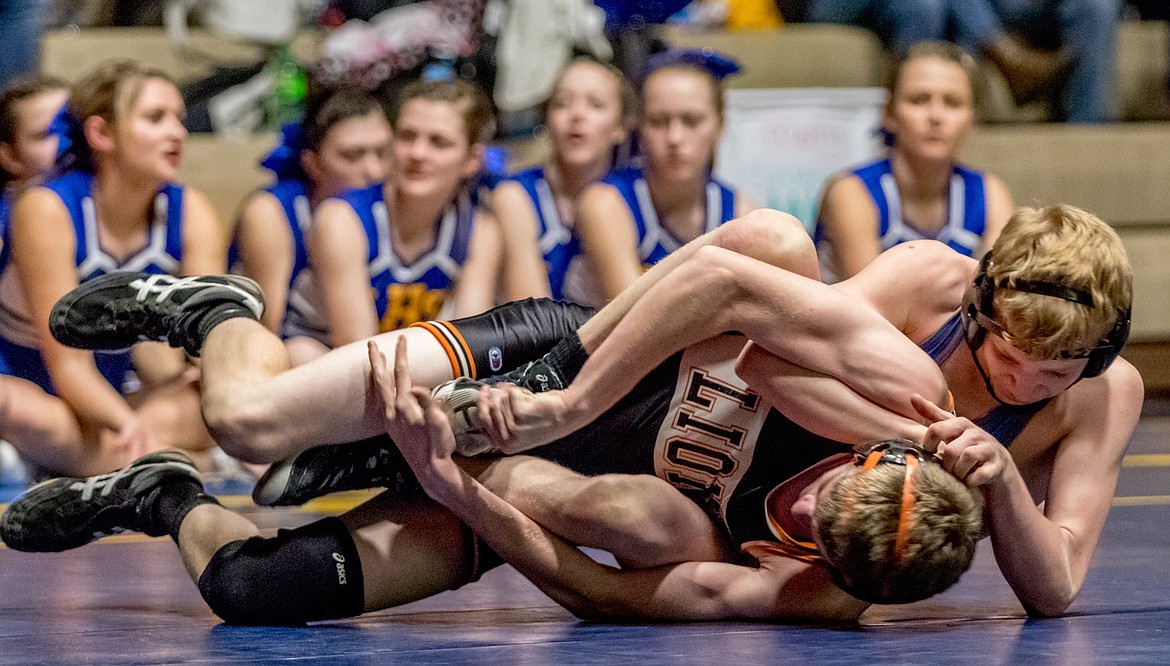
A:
[709,435]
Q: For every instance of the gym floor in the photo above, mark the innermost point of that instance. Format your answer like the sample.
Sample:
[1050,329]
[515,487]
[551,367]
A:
[127,600]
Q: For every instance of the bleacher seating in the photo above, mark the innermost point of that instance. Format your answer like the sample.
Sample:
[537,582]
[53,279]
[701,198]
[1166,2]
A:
[1118,171]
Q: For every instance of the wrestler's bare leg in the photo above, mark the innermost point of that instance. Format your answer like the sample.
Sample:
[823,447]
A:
[260,409]
[767,235]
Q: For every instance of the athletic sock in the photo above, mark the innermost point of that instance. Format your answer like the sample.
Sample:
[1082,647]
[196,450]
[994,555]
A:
[198,325]
[166,507]
[567,358]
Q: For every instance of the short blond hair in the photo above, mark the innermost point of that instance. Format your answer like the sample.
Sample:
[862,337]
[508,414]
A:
[857,527]
[1068,246]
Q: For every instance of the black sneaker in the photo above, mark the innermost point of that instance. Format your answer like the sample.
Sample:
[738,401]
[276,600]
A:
[65,513]
[116,310]
[332,468]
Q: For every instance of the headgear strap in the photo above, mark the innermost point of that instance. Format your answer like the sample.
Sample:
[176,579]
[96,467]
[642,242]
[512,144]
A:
[908,457]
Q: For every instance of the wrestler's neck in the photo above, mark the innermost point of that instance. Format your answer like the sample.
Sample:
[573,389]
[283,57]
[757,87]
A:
[972,398]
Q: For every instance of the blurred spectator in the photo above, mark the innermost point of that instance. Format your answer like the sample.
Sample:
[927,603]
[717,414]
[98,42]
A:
[1081,36]
[22,23]
[115,207]
[635,216]
[919,190]
[1155,10]
[343,144]
[588,116]
[898,23]
[28,147]
[411,249]
[1061,47]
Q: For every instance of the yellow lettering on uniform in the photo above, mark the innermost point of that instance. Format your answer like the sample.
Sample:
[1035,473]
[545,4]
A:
[408,304]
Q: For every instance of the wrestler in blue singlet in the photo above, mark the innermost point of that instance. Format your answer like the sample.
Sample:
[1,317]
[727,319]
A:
[556,240]
[966,213]
[404,293]
[162,253]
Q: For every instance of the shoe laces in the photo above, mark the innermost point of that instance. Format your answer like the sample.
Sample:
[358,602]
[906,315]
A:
[162,287]
[103,482]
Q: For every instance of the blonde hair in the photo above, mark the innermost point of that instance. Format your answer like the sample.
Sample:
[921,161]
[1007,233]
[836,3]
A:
[111,90]
[1071,247]
[108,93]
[857,527]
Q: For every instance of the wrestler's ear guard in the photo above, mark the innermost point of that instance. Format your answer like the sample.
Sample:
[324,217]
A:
[978,312]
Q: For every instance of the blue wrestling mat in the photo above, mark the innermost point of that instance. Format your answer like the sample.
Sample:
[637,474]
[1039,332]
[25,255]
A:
[127,600]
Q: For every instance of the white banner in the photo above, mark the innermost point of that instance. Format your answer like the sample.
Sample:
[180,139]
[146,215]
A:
[781,145]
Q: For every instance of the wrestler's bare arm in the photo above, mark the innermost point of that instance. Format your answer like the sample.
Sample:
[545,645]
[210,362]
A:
[1044,553]
[803,321]
[822,404]
[780,589]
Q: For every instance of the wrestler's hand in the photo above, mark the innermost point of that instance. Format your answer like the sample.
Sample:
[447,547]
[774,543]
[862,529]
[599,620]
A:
[516,419]
[417,425]
[966,450]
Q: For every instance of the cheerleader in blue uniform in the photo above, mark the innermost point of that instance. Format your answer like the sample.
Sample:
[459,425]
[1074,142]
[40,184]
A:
[115,208]
[412,248]
[343,144]
[27,146]
[634,217]
[919,190]
[587,116]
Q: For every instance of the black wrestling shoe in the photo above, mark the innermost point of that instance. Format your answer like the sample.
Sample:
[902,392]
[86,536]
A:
[115,311]
[332,468]
[65,513]
[458,399]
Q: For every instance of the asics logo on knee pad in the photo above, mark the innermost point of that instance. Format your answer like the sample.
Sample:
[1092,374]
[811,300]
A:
[340,560]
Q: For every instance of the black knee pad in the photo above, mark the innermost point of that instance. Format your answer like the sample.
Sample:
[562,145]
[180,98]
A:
[506,336]
[300,575]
